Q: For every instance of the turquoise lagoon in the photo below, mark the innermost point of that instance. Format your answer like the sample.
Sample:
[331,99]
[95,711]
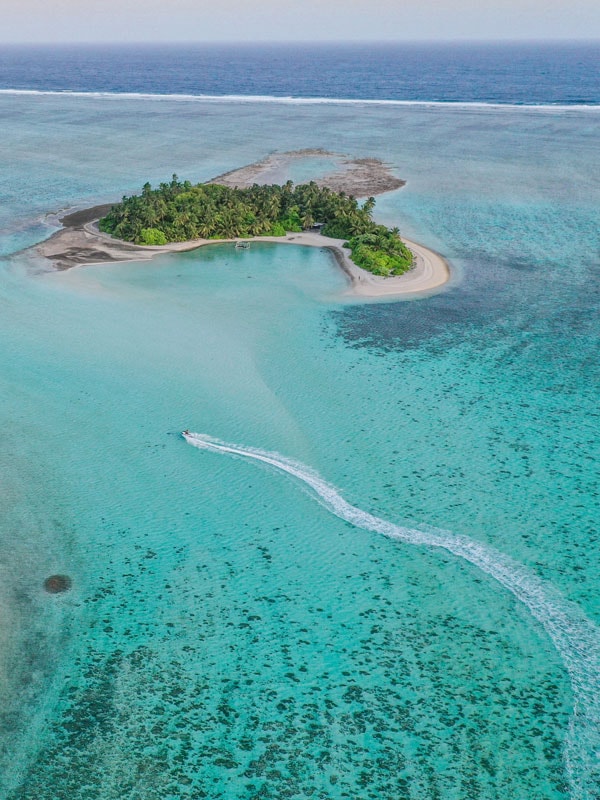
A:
[227,636]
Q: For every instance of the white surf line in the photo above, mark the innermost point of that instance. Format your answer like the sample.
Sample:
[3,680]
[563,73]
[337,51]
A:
[575,637]
[297,100]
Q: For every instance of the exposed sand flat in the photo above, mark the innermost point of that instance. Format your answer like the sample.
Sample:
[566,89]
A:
[360,177]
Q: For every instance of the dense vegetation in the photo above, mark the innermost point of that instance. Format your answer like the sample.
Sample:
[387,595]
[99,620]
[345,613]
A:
[179,212]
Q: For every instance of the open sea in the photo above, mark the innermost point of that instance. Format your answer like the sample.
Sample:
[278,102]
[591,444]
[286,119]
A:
[379,578]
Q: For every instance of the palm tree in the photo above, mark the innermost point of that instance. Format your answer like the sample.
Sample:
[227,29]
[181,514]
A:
[369,205]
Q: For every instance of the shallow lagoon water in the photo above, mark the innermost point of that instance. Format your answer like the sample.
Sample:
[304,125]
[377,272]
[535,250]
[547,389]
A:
[226,636]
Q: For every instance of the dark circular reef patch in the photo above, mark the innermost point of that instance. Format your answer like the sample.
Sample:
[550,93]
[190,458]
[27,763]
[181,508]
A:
[57,583]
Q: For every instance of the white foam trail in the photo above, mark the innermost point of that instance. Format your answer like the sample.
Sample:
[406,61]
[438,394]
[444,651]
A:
[292,100]
[576,638]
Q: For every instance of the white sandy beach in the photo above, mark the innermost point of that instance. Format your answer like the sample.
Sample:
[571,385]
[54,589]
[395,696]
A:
[87,245]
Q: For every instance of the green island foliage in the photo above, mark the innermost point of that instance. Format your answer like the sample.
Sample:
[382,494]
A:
[179,212]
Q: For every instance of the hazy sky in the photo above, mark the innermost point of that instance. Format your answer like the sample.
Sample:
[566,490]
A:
[276,20]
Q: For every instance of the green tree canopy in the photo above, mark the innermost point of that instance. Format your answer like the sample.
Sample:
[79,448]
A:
[179,211]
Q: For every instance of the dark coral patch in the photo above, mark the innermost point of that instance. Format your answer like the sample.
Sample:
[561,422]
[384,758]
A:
[57,583]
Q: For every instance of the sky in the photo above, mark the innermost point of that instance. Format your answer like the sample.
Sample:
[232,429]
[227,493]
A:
[295,20]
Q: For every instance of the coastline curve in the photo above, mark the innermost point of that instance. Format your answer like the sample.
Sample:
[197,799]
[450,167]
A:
[81,243]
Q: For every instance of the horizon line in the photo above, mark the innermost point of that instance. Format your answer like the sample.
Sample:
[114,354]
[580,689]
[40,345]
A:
[283,42]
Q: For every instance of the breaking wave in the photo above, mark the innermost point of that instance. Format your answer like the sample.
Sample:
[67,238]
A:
[295,100]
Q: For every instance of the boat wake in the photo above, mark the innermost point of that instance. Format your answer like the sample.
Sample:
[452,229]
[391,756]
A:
[575,637]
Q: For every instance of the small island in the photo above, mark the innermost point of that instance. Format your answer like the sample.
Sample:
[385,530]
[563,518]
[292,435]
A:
[181,212]
[258,202]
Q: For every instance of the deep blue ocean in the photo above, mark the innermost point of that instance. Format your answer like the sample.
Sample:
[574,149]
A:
[383,583]
[548,73]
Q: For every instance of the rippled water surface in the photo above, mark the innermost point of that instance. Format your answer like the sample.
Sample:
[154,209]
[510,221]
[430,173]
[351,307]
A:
[226,635]
[449,72]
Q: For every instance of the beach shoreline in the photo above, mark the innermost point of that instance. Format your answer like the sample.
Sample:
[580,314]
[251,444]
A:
[81,243]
